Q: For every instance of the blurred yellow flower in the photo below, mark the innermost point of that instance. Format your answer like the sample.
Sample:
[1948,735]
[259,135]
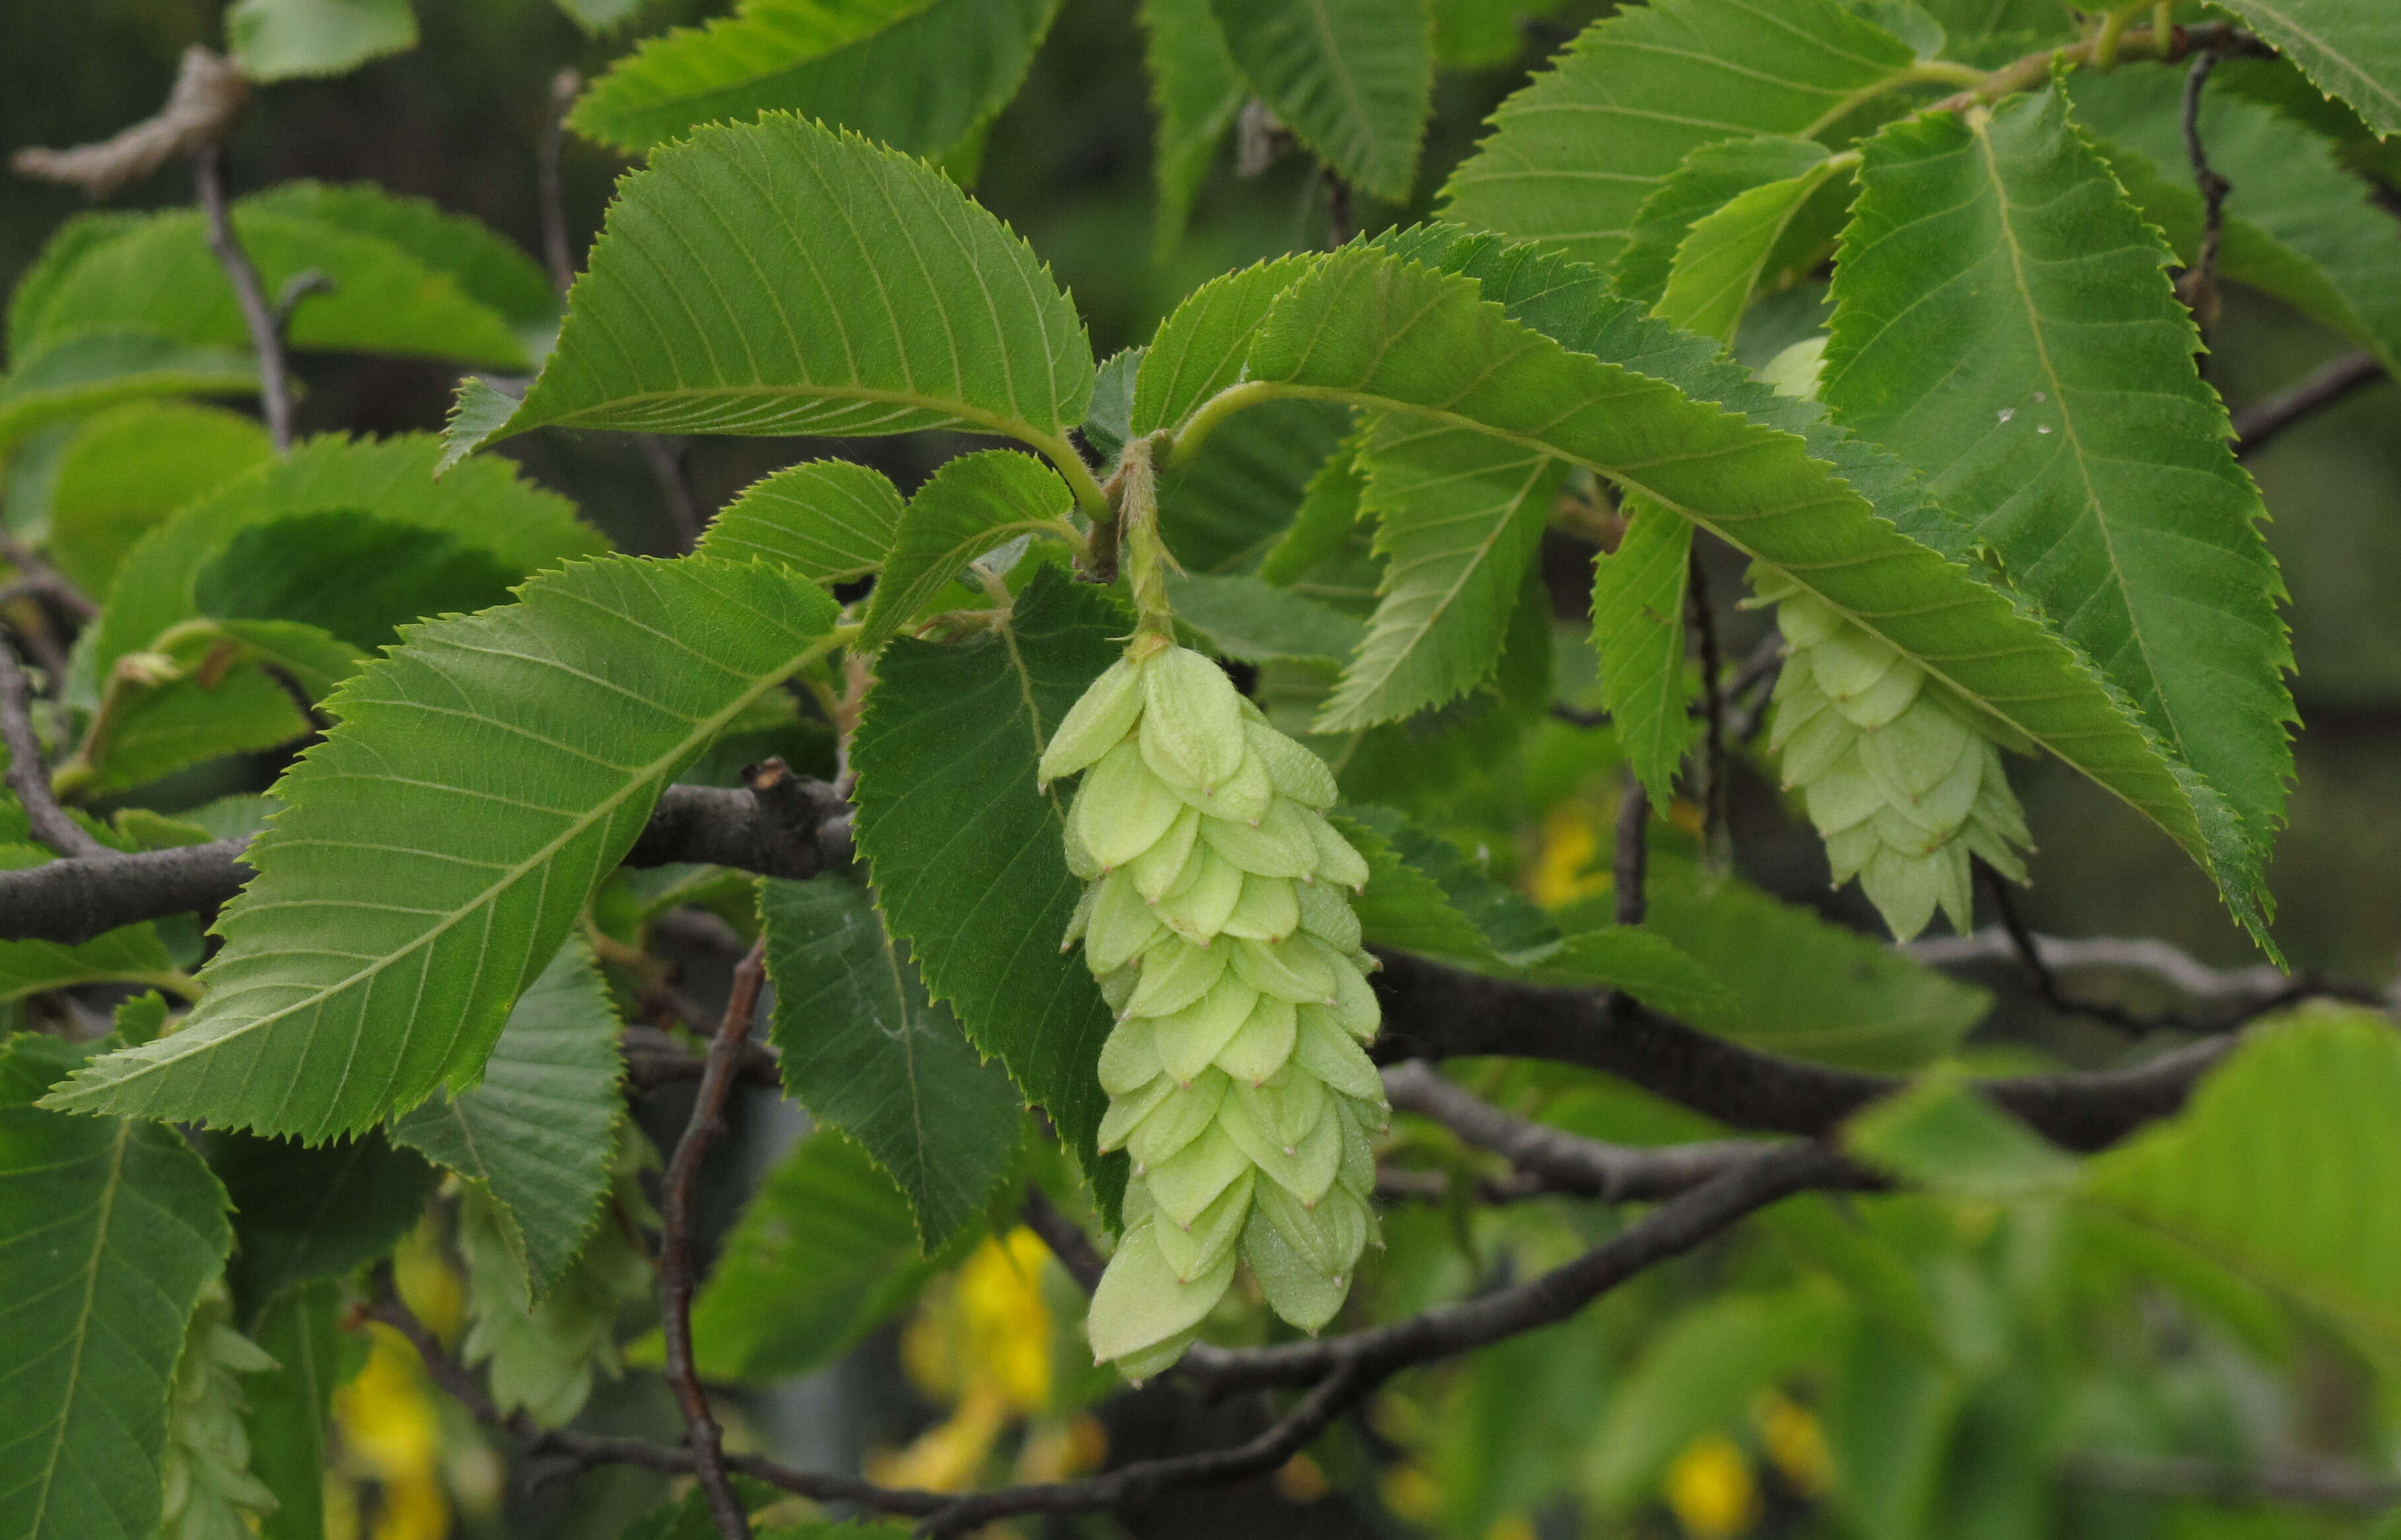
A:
[1566,846]
[391,1434]
[1795,1442]
[986,1324]
[1710,1490]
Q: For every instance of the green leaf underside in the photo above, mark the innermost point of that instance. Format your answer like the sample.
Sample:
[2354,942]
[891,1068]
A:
[1195,91]
[975,503]
[826,1252]
[108,1231]
[2352,49]
[486,265]
[1374,331]
[380,949]
[487,506]
[1809,988]
[864,1049]
[1249,618]
[967,853]
[1204,343]
[127,470]
[2002,322]
[827,519]
[1457,513]
[1637,628]
[1704,181]
[1573,156]
[159,278]
[1720,260]
[1946,1136]
[77,374]
[2282,1168]
[1430,875]
[284,39]
[1352,79]
[776,278]
[2299,224]
[540,1131]
[303,1213]
[917,74]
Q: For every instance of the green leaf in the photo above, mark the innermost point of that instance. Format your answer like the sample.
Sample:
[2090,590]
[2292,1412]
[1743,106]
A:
[2299,224]
[1720,260]
[73,376]
[820,285]
[1507,927]
[159,278]
[1703,1371]
[920,76]
[1325,528]
[1806,987]
[280,39]
[865,1051]
[540,1131]
[1203,344]
[1637,628]
[1251,619]
[826,1253]
[1702,184]
[2002,322]
[1382,333]
[1647,965]
[2352,49]
[1943,1134]
[972,505]
[487,506]
[827,519]
[1459,513]
[302,1213]
[292,1404]
[488,267]
[1195,91]
[967,852]
[1222,512]
[378,950]
[1108,418]
[1354,79]
[109,1229]
[358,578]
[131,954]
[1573,156]
[600,16]
[185,724]
[1403,907]
[1890,1418]
[2282,1167]
[127,470]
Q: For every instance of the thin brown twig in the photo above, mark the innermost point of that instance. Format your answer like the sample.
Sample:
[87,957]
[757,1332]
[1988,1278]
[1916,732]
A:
[677,1276]
[38,577]
[2264,422]
[29,774]
[2310,1483]
[209,94]
[2198,287]
[1713,705]
[550,185]
[249,292]
[1630,860]
[1064,1237]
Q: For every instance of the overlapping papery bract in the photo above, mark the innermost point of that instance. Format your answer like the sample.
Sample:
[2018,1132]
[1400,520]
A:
[1218,926]
[1904,783]
[209,1492]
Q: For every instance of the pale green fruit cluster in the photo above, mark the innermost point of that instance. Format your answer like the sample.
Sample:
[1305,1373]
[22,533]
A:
[209,1492]
[543,1355]
[1235,1074]
[1903,784]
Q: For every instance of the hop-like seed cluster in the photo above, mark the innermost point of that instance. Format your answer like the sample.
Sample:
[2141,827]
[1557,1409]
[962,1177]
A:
[209,1492]
[1902,783]
[543,1356]
[1235,1074]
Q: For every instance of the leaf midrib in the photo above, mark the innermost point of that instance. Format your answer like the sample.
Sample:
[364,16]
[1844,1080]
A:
[84,1315]
[1270,390]
[703,728]
[2067,425]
